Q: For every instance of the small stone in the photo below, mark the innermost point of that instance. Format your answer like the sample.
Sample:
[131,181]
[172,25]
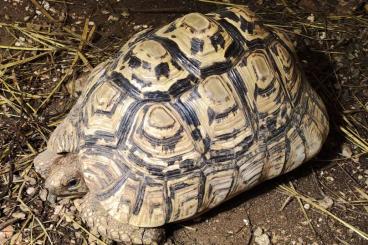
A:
[300,241]
[43,195]
[262,240]
[311,18]
[306,206]
[360,177]
[346,151]
[326,202]
[258,231]
[69,218]
[125,14]
[30,180]
[46,5]
[30,191]
[246,222]
[112,18]
[75,226]
[17,238]
[322,35]
[58,209]
[329,178]
[19,215]
[306,222]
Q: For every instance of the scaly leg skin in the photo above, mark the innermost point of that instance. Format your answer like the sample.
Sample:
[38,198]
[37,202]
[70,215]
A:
[97,218]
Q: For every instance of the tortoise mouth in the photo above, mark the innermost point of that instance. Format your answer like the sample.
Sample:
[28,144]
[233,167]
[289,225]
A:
[75,194]
[71,195]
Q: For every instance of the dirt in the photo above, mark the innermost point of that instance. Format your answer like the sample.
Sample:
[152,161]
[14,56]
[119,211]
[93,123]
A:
[334,57]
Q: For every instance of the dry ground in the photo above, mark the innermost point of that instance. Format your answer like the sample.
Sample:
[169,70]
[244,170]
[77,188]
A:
[42,48]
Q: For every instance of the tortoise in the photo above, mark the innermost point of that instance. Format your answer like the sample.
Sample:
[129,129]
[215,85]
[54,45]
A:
[180,120]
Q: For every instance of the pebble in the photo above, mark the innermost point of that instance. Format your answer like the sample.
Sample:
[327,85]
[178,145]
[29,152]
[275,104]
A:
[346,151]
[329,178]
[46,5]
[112,18]
[43,195]
[311,18]
[30,180]
[19,215]
[306,206]
[58,209]
[30,191]
[262,240]
[258,231]
[69,218]
[246,222]
[326,202]
[17,238]
[125,14]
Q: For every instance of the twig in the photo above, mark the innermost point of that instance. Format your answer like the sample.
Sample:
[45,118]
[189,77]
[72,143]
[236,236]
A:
[8,222]
[43,10]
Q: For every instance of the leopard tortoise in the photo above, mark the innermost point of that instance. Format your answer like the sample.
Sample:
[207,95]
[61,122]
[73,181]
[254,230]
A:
[181,119]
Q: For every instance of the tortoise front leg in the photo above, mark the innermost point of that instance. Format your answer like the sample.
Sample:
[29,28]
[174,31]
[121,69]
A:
[99,220]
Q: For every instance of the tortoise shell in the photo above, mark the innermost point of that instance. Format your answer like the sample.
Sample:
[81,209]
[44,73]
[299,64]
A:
[189,115]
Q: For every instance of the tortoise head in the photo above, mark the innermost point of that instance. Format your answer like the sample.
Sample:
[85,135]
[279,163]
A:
[62,173]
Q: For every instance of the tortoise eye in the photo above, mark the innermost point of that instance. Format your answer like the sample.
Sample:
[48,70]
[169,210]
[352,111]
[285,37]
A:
[72,183]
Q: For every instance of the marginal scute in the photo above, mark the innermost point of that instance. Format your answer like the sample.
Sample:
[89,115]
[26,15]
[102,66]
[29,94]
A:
[218,185]
[65,137]
[183,193]
[290,73]
[243,24]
